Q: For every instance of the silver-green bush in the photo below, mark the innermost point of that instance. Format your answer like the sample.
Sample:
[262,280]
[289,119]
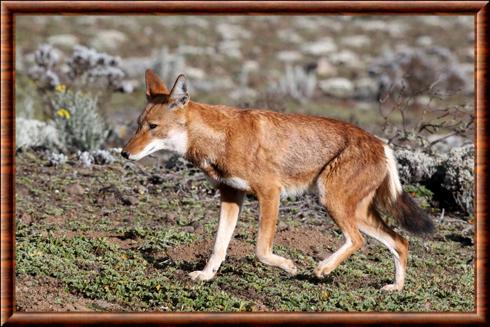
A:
[32,133]
[450,176]
[77,121]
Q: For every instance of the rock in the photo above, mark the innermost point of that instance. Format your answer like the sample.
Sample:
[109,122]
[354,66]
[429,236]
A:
[325,69]
[397,29]
[230,48]
[208,85]
[424,41]
[356,41]
[289,56]
[320,47]
[372,25]
[26,218]
[232,32]
[108,40]
[289,35]
[346,58]
[188,229]
[75,189]
[196,224]
[338,87]
[434,21]
[185,50]
[63,40]
[282,226]
[193,73]
[129,200]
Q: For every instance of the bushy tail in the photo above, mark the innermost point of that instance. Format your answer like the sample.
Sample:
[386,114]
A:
[391,198]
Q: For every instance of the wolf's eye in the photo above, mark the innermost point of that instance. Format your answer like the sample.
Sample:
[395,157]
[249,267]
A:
[152,126]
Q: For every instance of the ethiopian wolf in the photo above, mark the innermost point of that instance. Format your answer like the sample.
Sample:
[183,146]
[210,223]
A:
[270,154]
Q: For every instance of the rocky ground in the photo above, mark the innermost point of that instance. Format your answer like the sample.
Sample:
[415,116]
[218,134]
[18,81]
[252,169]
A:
[124,236]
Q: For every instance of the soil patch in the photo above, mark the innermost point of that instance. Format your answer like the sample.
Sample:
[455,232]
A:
[43,293]
[202,249]
[309,241]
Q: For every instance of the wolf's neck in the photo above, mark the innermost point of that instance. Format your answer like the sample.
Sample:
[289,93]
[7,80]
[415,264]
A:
[207,137]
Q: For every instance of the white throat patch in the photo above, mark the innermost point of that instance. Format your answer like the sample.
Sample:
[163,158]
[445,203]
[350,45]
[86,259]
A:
[176,141]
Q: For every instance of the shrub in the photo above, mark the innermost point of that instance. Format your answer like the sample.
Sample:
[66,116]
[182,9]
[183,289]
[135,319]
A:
[77,121]
[449,176]
[99,157]
[413,71]
[458,176]
[86,69]
[31,133]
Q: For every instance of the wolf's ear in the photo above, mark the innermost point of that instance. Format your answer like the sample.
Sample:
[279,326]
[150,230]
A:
[154,85]
[178,96]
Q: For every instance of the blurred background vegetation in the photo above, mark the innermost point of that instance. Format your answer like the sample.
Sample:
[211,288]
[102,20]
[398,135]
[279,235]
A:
[349,67]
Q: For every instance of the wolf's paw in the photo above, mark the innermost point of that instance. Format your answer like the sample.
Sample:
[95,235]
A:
[391,288]
[290,267]
[322,271]
[201,275]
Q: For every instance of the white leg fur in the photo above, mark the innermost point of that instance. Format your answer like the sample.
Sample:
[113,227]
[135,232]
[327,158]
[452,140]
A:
[328,263]
[227,223]
[275,260]
[390,244]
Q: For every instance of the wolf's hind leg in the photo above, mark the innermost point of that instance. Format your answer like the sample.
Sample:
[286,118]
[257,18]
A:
[346,188]
[374,226]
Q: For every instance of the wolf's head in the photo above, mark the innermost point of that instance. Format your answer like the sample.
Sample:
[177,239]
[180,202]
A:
[161,126]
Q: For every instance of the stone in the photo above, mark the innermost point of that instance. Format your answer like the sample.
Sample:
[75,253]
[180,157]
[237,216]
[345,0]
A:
[324,68]
[108,40]
[75,189]
[320,47]
[338,87]
[63,40]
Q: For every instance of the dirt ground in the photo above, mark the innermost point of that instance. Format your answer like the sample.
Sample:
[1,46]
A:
[123,237]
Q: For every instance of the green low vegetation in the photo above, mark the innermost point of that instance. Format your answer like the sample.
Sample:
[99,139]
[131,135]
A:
[120,234]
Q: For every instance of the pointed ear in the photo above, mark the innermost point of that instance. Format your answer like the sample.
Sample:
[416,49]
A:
[178,96]
[154,85]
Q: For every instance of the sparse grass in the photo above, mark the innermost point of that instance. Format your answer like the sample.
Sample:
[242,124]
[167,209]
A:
[137,257]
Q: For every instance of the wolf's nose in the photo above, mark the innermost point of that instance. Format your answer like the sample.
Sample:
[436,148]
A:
[125,154]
